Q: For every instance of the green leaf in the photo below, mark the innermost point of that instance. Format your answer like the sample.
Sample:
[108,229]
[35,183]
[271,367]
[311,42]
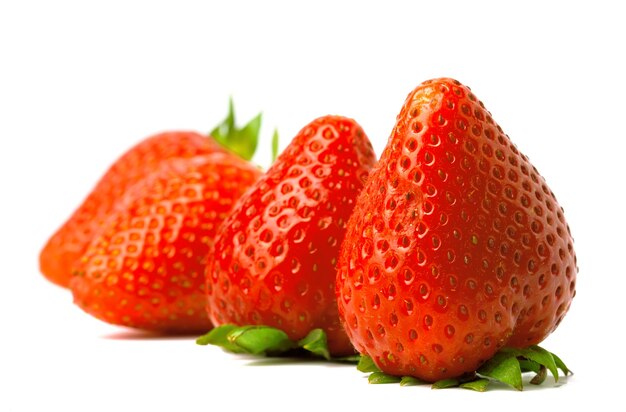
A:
[248,138]
[503,367]
[542,357]
[241,141]
[561,365]
[478,385]
[257,340]
[230,118]
[204,339]
[529,366]
[219,337]
[381,377]
[446,383]
[274,145]
[366,364]
[270,341]
[221,131]
[506,366]
[411,381]
[316,342]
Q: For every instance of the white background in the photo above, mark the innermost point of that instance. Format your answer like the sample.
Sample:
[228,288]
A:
[80,82]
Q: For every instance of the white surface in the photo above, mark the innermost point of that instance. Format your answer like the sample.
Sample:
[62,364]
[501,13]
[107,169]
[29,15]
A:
[80,83]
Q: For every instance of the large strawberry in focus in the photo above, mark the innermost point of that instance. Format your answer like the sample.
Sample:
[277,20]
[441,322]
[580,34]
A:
[456,248]
[68,243]
[275,258]
[145,266]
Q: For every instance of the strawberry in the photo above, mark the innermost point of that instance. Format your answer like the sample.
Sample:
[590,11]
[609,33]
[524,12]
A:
[275,256]
[456,247]
[69,242]
[145,266]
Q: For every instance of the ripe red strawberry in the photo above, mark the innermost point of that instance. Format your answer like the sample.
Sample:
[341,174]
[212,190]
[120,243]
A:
[274,260]
[456,247]
[70,240]
[145,266]
[68,243]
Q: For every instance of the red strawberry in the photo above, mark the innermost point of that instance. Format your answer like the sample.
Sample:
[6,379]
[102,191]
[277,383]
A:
[70,240]
[68,243]
[145,267]
[456,247]
[275,257]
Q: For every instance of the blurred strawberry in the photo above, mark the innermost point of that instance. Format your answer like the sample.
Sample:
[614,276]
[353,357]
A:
[69,242]
[145,267]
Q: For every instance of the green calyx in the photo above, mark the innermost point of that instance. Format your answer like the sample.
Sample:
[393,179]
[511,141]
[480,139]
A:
[507,366]
[242,141]
[275,145]
[268,341]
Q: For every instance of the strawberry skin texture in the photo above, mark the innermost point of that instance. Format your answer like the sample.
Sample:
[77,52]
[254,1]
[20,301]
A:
[68,243]
[275,257]
[145,266]
[456,248]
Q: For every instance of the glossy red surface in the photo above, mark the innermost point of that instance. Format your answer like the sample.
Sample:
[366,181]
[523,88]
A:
[457,246]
